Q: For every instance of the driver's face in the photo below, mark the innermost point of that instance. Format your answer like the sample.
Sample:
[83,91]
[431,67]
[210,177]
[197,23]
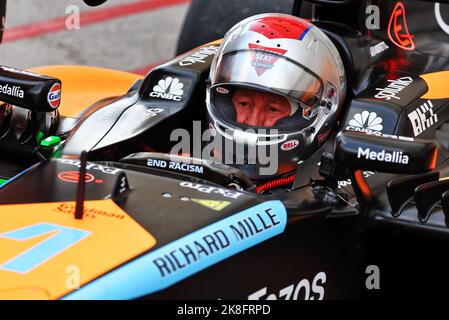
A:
[258,108]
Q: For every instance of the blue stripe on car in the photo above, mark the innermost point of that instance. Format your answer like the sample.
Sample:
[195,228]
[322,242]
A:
[188,255]
[15,177]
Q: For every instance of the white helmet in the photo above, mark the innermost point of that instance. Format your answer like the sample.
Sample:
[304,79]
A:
[275,71]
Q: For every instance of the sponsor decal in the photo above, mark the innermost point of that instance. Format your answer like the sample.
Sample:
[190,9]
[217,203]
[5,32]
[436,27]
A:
[212,204]
[384,156]
[210,243]
[398,30]
[152,112]
[211,190]
[346,183]
[289,145]
[393,88]
[302,290]
[74,177]
[90,166]
[366,121]
[89,212]
[169,89]
[14,91]
[222,90]
[378,49]
[177,166]
[265,57]
[423,118]
[54,96]
[199,57]
[188,255]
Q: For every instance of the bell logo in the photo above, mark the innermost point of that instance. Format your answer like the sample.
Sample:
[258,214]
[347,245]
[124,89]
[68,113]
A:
[169,89]
[398,29]
[289,145]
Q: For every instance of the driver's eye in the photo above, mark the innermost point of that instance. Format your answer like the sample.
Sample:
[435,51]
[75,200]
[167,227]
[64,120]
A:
[243,104]
[272,109]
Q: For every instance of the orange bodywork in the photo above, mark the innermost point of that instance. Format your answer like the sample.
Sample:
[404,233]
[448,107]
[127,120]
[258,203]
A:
[113,238]
[83,86]
[437,83]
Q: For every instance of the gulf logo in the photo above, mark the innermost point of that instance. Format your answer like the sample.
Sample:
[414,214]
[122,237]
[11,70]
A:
[74,177]
[54,96]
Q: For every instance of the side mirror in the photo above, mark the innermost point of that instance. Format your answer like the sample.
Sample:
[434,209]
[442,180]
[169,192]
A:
[29,90]
[356,151]
[385,153]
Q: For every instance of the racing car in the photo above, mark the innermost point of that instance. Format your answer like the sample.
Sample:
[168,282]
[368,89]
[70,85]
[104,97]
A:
[94,206]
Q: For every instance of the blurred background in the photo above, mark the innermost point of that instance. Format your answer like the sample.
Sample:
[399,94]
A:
[128,35]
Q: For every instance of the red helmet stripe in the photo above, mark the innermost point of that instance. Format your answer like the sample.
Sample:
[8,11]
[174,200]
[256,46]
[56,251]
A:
[275,28]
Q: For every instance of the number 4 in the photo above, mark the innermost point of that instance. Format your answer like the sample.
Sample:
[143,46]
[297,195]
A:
[61,240]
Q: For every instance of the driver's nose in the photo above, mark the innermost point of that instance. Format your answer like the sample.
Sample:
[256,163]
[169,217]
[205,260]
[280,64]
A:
[256,118]
[257,115]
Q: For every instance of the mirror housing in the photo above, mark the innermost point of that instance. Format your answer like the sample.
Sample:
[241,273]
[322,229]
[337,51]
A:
[385,153]
[29,90]
[355,152]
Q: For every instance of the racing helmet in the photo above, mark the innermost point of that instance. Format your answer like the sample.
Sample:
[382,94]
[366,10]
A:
[277,82]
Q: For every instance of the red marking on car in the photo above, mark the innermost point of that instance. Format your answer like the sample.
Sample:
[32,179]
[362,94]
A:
[323,137]
[74,176]
[263,59]
[54,96]
[289,145]
[87,18]
[398,29]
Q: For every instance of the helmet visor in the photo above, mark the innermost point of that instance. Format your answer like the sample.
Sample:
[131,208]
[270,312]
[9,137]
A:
[269,71]
[247,108]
